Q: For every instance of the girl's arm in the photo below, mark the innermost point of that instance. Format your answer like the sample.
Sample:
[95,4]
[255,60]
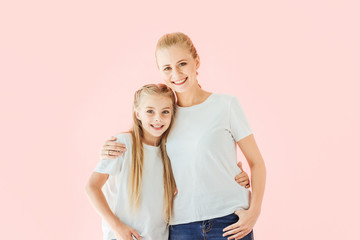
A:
[98,200]
[248,218]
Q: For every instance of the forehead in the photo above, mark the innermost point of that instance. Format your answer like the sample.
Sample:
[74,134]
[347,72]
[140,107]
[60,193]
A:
[170,55]
[156,101]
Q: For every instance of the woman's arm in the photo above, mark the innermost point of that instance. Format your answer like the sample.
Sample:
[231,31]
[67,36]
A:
[98,200]
[258,171]
[112,149]
[248,218]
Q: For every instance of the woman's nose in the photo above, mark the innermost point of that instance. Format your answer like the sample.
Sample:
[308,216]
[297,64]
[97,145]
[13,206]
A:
[176,73]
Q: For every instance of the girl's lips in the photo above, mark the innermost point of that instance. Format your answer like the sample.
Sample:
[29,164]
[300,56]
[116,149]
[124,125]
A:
[180,82]
[157,127]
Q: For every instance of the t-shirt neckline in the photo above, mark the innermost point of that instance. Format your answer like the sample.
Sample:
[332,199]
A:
[206,101]
[150,146]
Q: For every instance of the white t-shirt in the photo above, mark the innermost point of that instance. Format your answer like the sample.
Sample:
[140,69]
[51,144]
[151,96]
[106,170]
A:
[148,221]
[202,149]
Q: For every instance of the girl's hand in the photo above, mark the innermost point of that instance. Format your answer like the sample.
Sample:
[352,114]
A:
[124,232]
[243,227]
[242,179]
[112,149]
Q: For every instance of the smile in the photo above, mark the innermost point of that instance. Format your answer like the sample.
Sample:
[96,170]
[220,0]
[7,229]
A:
[180,82]
[157,127]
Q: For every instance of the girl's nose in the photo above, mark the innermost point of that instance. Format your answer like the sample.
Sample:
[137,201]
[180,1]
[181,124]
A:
[157,118]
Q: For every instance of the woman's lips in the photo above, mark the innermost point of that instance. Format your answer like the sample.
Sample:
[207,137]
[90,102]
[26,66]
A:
[180,82]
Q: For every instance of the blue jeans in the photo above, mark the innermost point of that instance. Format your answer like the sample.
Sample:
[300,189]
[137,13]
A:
[211,229]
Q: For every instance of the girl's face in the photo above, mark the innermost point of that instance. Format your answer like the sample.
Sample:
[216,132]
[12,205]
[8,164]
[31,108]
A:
[177,67]
[154,113]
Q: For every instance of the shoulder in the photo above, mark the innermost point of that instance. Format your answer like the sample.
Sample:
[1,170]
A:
[124,138]
[225,99]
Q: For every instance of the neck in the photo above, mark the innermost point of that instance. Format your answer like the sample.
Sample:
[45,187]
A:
[151,140]
[192,97]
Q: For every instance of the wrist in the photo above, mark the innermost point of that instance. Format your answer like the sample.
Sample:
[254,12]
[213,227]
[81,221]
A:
[255,210]
[115,223]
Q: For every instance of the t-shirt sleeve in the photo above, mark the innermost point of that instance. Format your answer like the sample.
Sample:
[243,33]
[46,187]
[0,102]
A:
[239,125]
[113,166]
[109,166]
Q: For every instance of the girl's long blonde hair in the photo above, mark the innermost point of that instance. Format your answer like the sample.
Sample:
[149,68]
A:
[135,178]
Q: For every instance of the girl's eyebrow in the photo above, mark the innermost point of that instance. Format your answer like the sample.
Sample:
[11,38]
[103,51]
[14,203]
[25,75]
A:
[177,62]
[153,107]
[162,109]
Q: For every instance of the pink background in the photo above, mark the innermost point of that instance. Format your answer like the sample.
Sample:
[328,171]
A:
[68,71]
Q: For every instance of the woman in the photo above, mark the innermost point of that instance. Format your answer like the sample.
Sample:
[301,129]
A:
[209,204]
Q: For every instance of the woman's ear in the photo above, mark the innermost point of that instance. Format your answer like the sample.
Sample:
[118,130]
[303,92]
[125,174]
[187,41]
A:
[197,62]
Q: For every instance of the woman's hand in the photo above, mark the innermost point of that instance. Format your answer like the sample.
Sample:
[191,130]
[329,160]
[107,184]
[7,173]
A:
[112,149]
[246,222]
[242,179]
[124,232]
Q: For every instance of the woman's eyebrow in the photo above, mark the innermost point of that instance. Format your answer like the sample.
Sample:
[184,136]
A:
[177,62]
[181,60]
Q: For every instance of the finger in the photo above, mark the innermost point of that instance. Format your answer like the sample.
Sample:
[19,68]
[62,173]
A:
[114,144]
[176,191]
[247,186]
[230,227]
[241,234]
[114,148]
[135,233]
[112,138]
[243,183]
[232,232]
[242,175]
[112,153]
[240,166]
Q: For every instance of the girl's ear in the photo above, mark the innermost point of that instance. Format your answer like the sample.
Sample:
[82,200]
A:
[137,115]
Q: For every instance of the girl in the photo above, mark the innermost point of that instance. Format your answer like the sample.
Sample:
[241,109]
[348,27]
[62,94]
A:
[134,193]
[202,150]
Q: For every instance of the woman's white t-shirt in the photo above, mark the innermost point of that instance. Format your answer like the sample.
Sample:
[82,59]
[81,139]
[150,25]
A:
[148,221]
[202,149]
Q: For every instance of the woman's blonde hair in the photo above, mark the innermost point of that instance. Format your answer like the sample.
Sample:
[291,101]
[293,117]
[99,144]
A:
[135,178]
[176,38]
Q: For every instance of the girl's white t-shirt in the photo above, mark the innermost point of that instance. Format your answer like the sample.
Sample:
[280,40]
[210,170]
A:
[202,149]
[148,221]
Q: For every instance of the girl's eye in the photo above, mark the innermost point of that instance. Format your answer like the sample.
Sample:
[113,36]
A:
[149,111]
[166,112]
[167,69]
[182,64]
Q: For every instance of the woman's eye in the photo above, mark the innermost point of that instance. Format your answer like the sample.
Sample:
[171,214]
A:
[182,64]
[167,69]
[149,111]
[166,112]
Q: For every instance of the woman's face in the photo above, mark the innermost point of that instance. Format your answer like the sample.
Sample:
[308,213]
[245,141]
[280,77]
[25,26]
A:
[177,68]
